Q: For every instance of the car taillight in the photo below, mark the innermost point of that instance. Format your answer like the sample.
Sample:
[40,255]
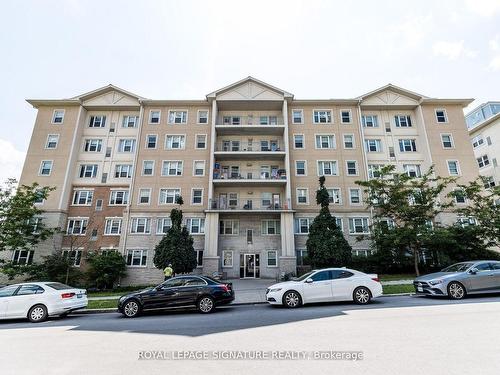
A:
[375,279]
[67,295]
[225,288]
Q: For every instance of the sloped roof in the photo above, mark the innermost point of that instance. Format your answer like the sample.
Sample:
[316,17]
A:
[246,80]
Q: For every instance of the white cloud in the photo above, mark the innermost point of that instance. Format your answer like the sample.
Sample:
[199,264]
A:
[485,8]
[494,44]
[11,161]
[495,63]
[452,50]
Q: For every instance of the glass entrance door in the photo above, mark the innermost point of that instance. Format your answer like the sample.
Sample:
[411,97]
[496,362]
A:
[249,266]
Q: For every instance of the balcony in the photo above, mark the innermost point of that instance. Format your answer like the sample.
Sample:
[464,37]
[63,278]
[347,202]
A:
[236,177]
[248,206]
[250,125]
[237,150]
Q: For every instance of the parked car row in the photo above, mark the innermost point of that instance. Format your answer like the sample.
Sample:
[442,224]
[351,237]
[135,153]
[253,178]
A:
[38,301]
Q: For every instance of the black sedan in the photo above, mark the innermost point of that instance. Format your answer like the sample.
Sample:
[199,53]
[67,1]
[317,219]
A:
[202,292]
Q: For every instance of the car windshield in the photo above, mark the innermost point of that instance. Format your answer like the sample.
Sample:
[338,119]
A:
[304,276]
[459,267]
[59,286]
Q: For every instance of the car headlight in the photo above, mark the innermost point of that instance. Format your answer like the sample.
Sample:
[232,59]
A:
[435,282]
[122,298]
[275,289]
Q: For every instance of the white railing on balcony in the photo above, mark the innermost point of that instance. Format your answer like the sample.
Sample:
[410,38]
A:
[264,120]
[247,204]
[253,146]
[237,174]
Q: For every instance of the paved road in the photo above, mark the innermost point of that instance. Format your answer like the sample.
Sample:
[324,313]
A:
[397,335]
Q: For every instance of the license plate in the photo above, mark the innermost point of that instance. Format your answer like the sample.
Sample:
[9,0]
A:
[420,289]
[79,295]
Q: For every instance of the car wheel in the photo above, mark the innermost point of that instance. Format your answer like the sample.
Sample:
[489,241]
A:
[292,299]
[206,304]
[37,314]
[131,309]
[456,290]
[361,295]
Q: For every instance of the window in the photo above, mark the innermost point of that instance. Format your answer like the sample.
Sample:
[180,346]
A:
[58,116]
[233,199]
[52,141]
[407,145]
[348,141]
[300,167]
[113,226]
[358,225]
[45,167]
[302,196]
[39,196]
[195,225]
[151,141]
[141,225]
[270,227]
[412,170]
[441,115]
[144,196]
[466,221]
[177,117]
[169,196]
[265,199]
[354,196]
[229,227]
[338,221]
[130,121]
[374,170]
[197,196]
[301,257]
[148,167]
[447,140]
[302,225]
[126,145]
[82,197]
[325,141]
[23,257]
[345,116]
[88,170]
[459,196]
[171,168]
[227,258]
[137,258]
[272,258]
[93,145]
[453,168]
[298,140]
[75,256]
[201,141]
[231,120]
[123,171]
[297,116]
[477,141]
[199,168]
[154,116]
[174,142]
[369,121]
[118,197]
[402,121]
[483,161]
[489,182]
[163,224]
[334,196]
[77,226]
[249,236]
[352,167]
[327,168]
[373,145]
[199,262]
[322,117]
[97,121]
[202,117]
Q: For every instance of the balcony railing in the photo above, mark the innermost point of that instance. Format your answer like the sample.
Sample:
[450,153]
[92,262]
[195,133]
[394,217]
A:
[250,120]
[248,205]
[279,174]
[257,146]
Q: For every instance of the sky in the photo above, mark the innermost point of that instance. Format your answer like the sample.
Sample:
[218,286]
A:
[185,49]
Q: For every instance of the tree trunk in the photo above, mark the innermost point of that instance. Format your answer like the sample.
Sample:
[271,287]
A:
[67,276]
[415,260]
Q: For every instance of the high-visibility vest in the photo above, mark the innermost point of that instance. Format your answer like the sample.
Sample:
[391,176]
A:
[168,271]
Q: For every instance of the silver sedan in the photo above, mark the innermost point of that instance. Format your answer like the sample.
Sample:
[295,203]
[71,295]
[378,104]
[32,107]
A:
[460,279]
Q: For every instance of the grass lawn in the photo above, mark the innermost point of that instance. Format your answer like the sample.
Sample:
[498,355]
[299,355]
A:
[105,294]
[103,304]
[401,288]
[399,276]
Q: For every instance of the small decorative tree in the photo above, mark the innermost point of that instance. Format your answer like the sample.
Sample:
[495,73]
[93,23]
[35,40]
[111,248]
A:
[105,269]
[176,247]
[326,245]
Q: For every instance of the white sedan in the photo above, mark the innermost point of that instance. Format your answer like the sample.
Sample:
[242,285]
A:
[325,285]
[38,301]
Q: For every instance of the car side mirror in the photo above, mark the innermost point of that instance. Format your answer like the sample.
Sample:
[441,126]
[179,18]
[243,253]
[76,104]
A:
[309,280]
[473,271]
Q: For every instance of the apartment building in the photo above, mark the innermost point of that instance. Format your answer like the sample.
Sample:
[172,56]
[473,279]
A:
[246,160]
[484,132]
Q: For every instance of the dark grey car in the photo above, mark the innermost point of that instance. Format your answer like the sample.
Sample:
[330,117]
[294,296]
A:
[460,279]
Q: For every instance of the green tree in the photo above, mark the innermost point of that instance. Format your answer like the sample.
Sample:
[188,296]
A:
[55,267]
[105,269]
[176,246]
[409,204]
[326,245]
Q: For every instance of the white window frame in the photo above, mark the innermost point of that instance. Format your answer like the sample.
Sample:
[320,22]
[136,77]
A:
[88,200]
[363,218]
[275,258]
[126,121]
[445,114]
[334,167]
[477,141]
[303,141]
[142,257]
[350,116]
[95,170]
[297,227]
[355,166]
[174,112]
[134,224]
[167,191]
[455,197]
[451,141]
[139,195]
[51,162]
[264,227]
[146,145]
[332,196]
[192,196]
[299,195]
[181,142]
[92,121]
[66,253]
[326,113]
[481,160]
[305,168]
[123,144]
[152,168]
[407,121]
[457,165]
[373,168]
[125,198]
[235,227]
[353,141]
[56,111]
[378,145]
[160,224]
[150,119]
[84,222]
[373,120]
[413,168]
[359,197]
[112,220]
[413,142]
[196,141]
[56,136]
[194,168]
[120,168]
[201,225]
[179,168]
[301,116]
[90,143]
[198,116]
[332,142]
[224,252]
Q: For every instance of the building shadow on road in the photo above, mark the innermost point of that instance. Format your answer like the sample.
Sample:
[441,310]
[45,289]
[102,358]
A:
[230,318]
